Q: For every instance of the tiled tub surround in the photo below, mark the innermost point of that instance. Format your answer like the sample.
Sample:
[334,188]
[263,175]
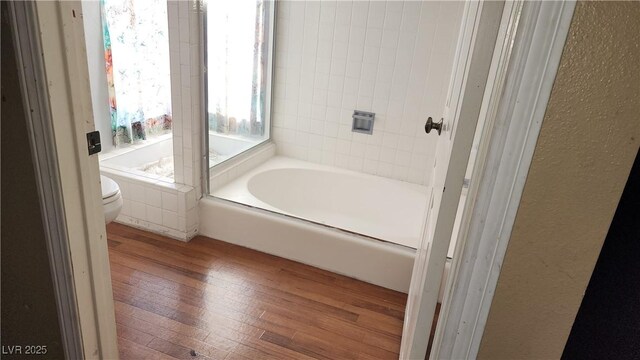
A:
[150,201]
[157,206]
[393,58]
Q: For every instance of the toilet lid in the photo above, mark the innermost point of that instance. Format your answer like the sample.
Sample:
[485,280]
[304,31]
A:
[109,187]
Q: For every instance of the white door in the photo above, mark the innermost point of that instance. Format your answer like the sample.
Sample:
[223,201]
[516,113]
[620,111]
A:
[471,67]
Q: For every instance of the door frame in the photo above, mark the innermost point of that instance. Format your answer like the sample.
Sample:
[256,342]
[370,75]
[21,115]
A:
[526,63]
[49,40]
[39,127]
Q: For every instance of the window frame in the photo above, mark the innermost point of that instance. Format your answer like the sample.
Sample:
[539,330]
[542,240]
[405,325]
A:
[270,25]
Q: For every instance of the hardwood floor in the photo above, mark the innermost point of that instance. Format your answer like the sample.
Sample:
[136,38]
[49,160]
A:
[207,299]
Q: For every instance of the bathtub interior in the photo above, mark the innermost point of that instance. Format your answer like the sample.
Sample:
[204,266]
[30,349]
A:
[224,147]
[153,159]
[368,205]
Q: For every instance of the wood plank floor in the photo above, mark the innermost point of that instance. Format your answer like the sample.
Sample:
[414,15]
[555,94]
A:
[207,299]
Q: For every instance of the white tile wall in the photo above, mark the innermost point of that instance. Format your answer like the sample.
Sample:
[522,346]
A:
[157,206]
[185,23]
[393,58]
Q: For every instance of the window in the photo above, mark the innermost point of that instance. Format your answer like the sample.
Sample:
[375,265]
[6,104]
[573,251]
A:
[238,72]
[136,44]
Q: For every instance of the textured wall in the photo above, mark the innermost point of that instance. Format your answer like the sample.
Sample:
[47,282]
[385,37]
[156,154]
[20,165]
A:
[586,147]
[393,58]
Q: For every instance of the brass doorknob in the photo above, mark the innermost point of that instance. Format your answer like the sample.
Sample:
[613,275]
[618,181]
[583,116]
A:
[430,125]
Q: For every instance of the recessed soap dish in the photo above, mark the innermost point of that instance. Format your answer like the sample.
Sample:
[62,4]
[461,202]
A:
[363,122]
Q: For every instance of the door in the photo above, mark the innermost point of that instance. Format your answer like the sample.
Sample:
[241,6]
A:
[476,42]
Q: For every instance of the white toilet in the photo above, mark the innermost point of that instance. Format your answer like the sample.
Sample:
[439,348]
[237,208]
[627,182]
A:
[111,199]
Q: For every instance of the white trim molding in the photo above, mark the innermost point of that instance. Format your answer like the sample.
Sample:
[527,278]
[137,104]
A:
[532,53]
[42,143]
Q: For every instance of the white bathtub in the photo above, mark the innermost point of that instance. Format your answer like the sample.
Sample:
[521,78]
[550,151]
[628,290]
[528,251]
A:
[370,205]
[350,203]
